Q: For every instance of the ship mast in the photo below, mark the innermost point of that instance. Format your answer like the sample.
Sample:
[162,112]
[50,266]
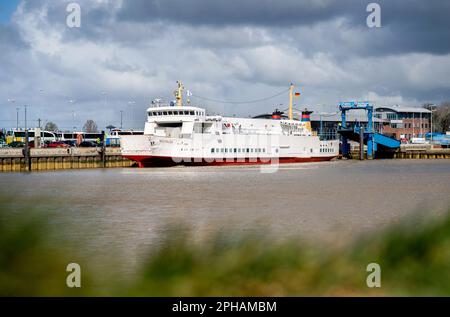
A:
[179,93]
[291,96]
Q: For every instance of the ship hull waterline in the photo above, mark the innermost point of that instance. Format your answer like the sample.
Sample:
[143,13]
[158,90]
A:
[164,161]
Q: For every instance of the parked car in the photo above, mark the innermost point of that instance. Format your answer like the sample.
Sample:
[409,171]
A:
[57,144]
[16,144]
[71,143]
[87,144]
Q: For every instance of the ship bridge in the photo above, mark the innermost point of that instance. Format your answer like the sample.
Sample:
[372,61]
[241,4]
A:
[175,114]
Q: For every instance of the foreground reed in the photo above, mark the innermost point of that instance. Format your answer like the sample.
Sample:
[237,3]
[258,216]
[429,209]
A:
[414,258]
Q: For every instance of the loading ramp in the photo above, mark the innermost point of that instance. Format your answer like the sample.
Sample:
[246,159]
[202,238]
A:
[378,145]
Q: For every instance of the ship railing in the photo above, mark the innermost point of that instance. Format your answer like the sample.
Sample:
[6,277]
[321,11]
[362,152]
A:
[325,136]
[249,131]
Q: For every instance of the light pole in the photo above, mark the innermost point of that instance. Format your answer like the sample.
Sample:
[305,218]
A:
[71,102]
[17,118]
[121,119]
[13,101]
[105,94]
[25,106]
[431,109]
[131,112]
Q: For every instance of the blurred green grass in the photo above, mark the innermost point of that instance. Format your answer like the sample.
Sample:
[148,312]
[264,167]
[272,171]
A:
[414,257]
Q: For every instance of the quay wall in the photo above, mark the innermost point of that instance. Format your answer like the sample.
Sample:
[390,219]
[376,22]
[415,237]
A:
[411,151]
[13,160]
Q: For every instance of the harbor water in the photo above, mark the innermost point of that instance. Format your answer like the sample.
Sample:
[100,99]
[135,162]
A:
[130,210]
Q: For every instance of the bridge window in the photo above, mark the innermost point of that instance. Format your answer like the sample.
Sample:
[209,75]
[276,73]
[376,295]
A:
[192,113]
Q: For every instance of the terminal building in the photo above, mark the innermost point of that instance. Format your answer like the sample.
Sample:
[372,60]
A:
[401,123]
[404,123]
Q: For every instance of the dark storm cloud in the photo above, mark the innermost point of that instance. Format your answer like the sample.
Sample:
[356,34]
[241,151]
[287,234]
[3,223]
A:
[408,26]
[256,12]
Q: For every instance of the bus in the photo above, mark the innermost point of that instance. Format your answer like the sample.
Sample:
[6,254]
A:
[19,136]
[113,137]
[78,136]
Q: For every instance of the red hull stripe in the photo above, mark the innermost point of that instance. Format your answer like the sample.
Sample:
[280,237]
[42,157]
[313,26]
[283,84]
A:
[153,161]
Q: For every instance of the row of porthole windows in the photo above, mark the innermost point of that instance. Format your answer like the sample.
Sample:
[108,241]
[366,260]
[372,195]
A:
[176,113]
[326,150]
[237,150]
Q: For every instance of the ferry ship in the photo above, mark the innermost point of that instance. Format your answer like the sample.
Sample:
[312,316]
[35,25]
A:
[180,134]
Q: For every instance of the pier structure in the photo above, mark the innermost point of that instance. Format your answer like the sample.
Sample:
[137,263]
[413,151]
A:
[375,142]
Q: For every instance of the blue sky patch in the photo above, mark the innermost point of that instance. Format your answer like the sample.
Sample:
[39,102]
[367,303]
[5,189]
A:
[7,8]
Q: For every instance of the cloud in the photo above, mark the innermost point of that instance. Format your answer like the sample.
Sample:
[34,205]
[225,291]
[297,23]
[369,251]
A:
[230,50]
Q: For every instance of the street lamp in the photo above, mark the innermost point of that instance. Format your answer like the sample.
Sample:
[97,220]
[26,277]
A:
[13,101]
[25,106]
[71,102]
[431,109]
[17,118]
[131,112]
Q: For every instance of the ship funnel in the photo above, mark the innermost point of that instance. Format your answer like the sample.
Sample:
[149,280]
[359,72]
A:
[277,114]
[306,118]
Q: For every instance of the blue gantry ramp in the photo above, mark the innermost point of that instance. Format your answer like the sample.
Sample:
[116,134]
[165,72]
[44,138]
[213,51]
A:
[377,144]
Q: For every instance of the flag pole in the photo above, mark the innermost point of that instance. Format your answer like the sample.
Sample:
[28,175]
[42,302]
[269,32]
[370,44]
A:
[291,91]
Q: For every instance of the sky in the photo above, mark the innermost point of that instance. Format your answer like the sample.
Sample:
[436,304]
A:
[7,8]
[127,53]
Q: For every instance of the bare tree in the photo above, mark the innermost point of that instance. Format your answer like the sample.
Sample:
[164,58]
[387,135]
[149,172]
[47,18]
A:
[443,117]
[90,127]
[50,126]
[428,105]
